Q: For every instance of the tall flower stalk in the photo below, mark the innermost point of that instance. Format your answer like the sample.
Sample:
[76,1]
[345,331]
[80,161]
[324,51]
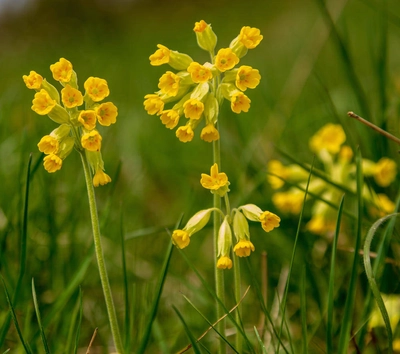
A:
[77,129]
[197,92]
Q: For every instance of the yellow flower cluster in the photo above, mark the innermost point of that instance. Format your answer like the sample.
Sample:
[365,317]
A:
[336,158]
[236,221]
[200,89]
[77,126]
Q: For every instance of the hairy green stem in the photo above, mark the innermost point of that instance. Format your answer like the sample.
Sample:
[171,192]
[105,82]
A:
[236,270]
[100,257]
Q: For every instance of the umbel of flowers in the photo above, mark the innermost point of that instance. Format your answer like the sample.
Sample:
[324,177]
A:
[77,115]
[337,161]
[197,90]
[234,222]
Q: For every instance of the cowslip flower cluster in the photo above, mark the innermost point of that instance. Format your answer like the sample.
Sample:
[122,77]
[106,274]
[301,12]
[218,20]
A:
[199,89]
[336,158]
[235,222]
[77,124]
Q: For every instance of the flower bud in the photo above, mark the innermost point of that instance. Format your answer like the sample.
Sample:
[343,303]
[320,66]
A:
[65,147]
[241,227]
[211,109]
[206,38]
[59,115]
[224,238]
[251,212]
[198,221]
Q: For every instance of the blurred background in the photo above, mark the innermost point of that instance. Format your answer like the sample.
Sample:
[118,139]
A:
[318,60]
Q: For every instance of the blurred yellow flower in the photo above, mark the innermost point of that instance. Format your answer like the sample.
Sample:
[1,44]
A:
[269,221]
[215,180]
[87,119]
[62,70]
[180,238]
[240,102]
[42,103]
[71,97]
[48,145]
[243,248]
[250,37]
[153,104]
[96,88]
[225,59]
[52,163]
[199,73]
[290,201]
[33,80]
[275,167]
[101,178]
[107,113]
[170,118]
[169,83]
[385,172]
[224,262]
[185,133]
[161,56]
[330,137]
[209,133]
[193,108]
[91,141]
[247,77]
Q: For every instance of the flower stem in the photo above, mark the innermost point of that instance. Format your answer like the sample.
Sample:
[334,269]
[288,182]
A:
[219,275]
[100,257]
[236,269]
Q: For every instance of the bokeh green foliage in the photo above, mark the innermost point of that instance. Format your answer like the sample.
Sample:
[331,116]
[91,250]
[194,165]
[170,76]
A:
[307,80]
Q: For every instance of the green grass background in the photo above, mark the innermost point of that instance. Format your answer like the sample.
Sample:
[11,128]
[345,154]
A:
[309,77]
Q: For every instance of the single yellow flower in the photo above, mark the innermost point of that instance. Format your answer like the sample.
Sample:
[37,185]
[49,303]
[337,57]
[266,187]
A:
[43,103]
[52,163]
[200,26]
[250,37]
[385,172]
[240,102]
[209,133]
[161,56]
[243,248]
[276,168]
[91,141]
[224,262]
[247,77]
[107,113]
[383,205]
[170,118]
[185,133]
[48,145]
[71,97]
[33,80]
[180,238]
[101,178]
[215,180]
[199,73]
[96,88]
[153,104]
[87,119]
[193,108]
[269,221]
[330,137]
[62,70]
[169,84]
[225,59]
[290,201]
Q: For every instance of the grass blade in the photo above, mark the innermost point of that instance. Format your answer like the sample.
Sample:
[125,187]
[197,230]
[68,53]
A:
[43,335]
[69,344]
[78,329]
[190,335]
[329,322]
[371,278]
[303,310]
[260,342]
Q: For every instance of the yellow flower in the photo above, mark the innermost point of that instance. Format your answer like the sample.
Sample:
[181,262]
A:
[48,145]
[320,224]
[161,56]
[43,103]
[153,104]
[243,248]
[329,137]
[269,221]
[91,141]
[169,83]
[346,154]
[385,172]
[62,70]
[240,102]
[199,73]
[383,206]
[180,238]
[215,180]
[185,133]
[209,133]
[52,163]
[289,201]
[170,118]
[200,26]
[225,59]
[224,262]
[193,108]
[71,97]
[247,77]
[33,80]
[277,169]
[250,37]
[101,178]
[106,113]
[96,88]
[87,119]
